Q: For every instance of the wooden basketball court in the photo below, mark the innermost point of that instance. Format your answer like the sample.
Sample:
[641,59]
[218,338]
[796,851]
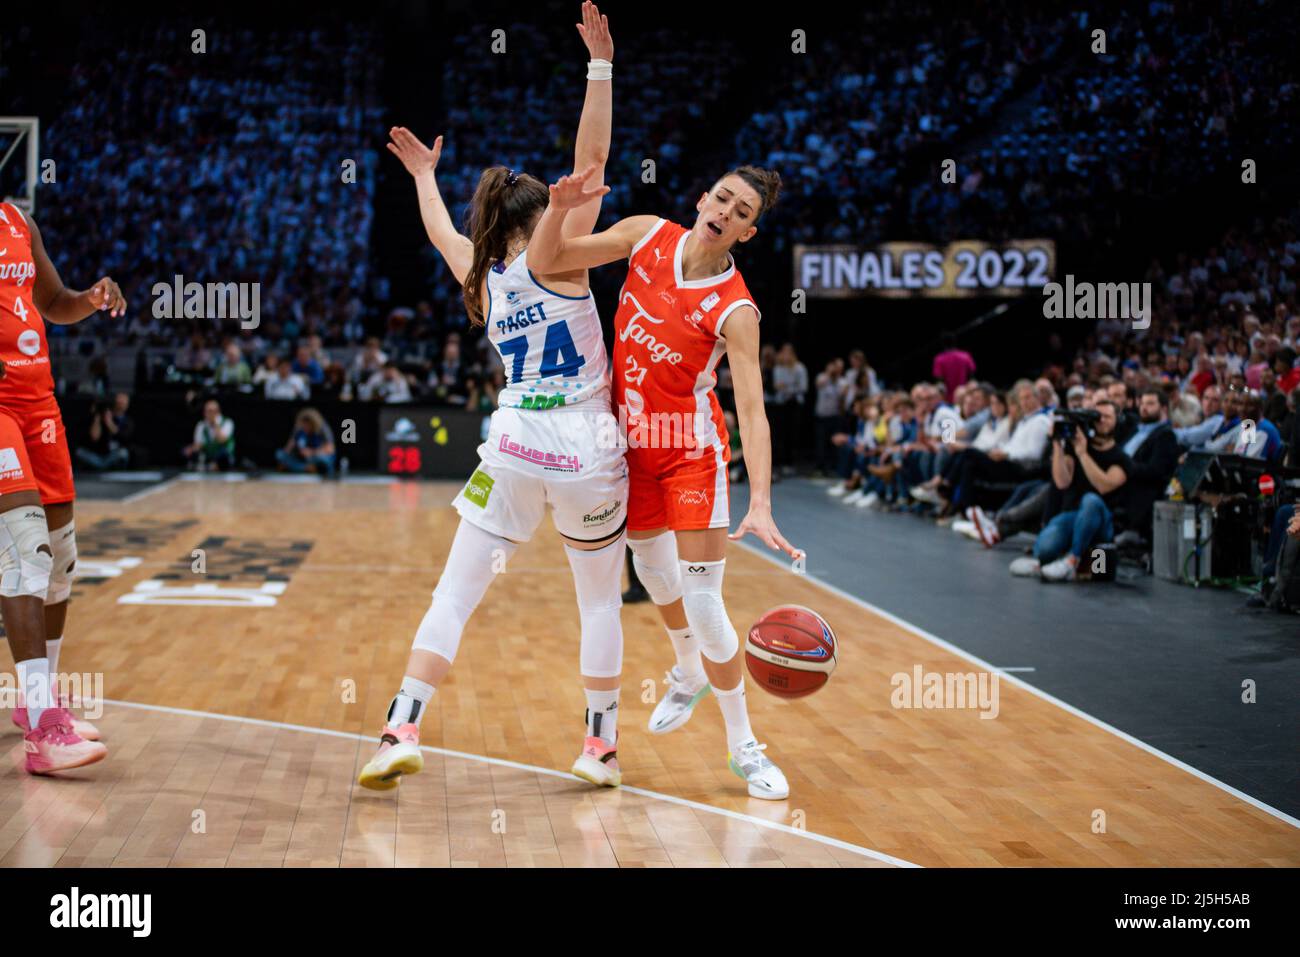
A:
[244,696]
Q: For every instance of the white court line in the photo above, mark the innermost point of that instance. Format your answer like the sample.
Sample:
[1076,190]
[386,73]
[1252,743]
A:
[143,493]
[765,553]
[1006,670]
[502,762]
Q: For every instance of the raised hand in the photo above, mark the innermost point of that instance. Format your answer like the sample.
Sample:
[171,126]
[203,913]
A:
[594,29]
[415,156]
[106,294]
[571,191]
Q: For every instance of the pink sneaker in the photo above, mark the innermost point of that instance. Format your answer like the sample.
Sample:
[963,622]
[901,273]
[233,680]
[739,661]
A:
[598,763]
[398,754]
[80,727]
[52,745]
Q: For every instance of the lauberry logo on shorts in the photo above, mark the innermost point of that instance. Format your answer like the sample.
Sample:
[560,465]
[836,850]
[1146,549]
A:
[479,487]
[692,496]
[551,461]
[133,911]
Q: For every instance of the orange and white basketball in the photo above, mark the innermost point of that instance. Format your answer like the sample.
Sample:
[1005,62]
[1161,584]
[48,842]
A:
[791,651]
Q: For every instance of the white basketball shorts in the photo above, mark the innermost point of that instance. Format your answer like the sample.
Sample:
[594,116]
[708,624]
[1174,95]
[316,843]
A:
[569,459]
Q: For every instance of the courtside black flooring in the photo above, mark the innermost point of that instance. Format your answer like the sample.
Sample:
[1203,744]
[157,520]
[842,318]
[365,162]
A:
[1162,662]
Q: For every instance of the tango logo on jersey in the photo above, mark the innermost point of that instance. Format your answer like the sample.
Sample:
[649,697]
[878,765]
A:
[692,496]
[551,461]
[659,351]
[10,466]
[20,271]
[29,343]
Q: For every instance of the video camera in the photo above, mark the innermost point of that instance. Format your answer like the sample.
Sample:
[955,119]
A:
[1065,421]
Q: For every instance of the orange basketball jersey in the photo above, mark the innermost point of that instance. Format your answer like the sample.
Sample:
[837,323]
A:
[667,344]
[23,347]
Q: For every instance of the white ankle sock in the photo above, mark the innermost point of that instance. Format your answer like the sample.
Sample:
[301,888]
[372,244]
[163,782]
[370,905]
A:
[34,681]
[602,715]
[52,652]
[411,703]
[735,714]
[689,664]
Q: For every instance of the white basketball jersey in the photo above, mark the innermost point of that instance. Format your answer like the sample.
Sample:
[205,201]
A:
[551,345]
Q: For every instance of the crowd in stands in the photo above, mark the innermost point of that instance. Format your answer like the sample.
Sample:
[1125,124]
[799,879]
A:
[1176,98]
[218,166]
[1215,371]
[900,78]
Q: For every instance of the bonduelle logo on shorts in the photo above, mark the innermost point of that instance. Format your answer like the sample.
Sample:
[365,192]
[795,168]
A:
[602,514]
[693,496]
[478,488]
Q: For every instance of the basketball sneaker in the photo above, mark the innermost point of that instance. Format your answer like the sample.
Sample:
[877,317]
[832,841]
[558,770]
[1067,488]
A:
[398,754]
[81,728]
[53,746]
[765,778]
[675,707]
[598,763]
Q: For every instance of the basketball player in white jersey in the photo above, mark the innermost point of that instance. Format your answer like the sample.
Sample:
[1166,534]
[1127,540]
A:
[543,446]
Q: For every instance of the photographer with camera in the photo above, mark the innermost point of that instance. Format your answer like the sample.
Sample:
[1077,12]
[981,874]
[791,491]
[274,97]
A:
[106,437]
[1090,471]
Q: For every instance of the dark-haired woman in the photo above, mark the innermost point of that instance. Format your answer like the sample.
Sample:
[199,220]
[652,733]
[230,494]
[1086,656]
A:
[682,306]
[544,444]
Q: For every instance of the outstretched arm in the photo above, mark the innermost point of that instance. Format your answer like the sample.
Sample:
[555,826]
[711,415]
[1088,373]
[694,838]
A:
[741,333]
[421,162]
[550,251]
[592,146]
[59,304]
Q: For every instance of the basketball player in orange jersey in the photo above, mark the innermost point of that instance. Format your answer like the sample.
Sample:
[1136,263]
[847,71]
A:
[541,448]
[682,306]
[38,545]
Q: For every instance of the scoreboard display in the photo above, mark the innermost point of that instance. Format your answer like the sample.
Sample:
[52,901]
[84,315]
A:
[904,269]
[428,442]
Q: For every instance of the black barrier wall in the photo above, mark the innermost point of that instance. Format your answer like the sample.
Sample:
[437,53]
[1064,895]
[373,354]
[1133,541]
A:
[164,424]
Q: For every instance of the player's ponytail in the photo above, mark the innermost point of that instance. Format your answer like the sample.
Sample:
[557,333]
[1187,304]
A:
[506,204]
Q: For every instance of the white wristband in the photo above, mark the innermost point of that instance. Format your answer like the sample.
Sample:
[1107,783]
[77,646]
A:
[599,69]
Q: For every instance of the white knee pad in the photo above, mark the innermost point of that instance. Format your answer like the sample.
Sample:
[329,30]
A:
[25,555]
[655,560]
[705,612]
[63,541]
[598,579]
[475,560]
